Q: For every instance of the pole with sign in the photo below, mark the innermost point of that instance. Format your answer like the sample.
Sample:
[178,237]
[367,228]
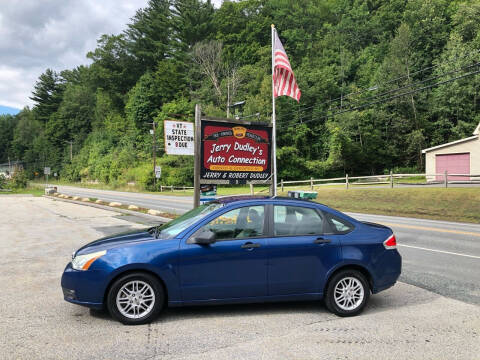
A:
[46,171]
[158,172]
[196,166]
[231,152]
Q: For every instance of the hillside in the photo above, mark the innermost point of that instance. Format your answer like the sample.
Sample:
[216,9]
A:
[380,80]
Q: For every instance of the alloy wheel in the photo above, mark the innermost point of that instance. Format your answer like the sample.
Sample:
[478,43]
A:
[135,299]
[349,293]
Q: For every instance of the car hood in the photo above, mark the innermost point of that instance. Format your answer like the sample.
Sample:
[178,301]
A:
[113,241]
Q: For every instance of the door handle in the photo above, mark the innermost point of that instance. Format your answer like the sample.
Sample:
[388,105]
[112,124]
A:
[250,245]
[321,240]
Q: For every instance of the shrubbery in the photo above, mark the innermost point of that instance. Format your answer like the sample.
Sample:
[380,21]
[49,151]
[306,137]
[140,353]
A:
[3,182]
[19,180]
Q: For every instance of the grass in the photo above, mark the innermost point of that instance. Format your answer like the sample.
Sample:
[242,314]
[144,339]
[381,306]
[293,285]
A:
[453,204]
[32,190]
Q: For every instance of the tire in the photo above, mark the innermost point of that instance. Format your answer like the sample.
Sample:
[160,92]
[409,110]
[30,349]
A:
[353,292]
[135,299]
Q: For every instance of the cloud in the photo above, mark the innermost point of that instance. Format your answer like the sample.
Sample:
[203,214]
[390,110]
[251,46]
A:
[57,34]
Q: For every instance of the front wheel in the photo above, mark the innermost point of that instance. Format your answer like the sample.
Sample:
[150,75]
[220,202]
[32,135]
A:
[347,293]
[135,299]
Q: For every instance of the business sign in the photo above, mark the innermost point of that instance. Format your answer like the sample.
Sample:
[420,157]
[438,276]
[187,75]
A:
[179,138]
[235,152]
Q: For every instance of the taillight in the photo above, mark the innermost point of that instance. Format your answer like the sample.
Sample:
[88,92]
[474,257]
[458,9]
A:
[390,243]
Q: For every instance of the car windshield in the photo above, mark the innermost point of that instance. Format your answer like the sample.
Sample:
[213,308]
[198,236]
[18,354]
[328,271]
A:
[175,227]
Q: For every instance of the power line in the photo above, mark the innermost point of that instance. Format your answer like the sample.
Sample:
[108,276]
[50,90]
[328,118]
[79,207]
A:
[376,87]
[393,91]
[387,99]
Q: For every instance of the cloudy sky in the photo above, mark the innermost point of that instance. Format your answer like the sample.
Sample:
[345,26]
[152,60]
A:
[57,34]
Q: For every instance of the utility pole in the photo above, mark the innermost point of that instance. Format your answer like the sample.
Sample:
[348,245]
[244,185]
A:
[154,154]
[71,148]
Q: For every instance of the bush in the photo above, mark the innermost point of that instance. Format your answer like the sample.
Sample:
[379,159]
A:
[19,180]
[3,182]
[404,170]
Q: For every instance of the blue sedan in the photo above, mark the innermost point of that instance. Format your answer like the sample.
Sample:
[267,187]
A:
[236,250]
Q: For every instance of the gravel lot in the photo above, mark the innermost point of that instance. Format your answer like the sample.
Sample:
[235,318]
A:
[37,236]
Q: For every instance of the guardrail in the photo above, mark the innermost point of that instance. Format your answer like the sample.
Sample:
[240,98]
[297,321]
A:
[349,181]
[175,188]
[381,179]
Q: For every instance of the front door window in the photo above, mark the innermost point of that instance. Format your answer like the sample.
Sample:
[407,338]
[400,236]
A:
[242,223]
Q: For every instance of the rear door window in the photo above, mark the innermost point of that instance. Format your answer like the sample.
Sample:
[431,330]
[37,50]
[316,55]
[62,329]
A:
[296,220]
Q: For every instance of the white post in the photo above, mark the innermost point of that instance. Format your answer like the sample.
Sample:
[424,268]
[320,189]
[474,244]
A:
[274,126]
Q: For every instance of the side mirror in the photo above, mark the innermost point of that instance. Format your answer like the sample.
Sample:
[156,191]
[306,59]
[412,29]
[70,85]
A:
[205,237]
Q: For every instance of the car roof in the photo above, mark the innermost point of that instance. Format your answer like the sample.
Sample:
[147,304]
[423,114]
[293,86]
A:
[250,198]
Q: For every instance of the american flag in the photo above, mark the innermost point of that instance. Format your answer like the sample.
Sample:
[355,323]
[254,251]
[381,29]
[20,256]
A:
[284,82]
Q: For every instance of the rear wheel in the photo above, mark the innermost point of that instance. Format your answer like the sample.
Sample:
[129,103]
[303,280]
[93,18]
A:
[347,293]
[135,299]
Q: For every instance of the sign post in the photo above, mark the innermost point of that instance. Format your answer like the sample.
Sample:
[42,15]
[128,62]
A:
[196,166]
[46,171]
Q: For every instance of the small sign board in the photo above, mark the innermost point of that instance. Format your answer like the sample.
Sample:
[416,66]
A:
[46,170]
[179,137]
[55,174]
[208,190]
[158,172]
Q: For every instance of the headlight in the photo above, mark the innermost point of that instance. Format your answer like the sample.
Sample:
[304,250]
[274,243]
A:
[83,262]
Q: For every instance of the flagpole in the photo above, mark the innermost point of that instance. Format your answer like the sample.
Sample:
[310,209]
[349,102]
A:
[274,125]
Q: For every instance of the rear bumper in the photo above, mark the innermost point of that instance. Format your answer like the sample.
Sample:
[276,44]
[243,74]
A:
[389,270]
[86,288]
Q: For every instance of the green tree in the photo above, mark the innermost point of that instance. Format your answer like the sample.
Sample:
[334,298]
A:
[148,35]
[114,69]
[7,126]
[47,95]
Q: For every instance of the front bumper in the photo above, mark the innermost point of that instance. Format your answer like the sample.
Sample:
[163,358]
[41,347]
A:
[86,288]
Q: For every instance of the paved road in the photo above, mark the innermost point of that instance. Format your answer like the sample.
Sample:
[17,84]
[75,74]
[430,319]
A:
[39,234]
[172,204]
[440,256]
